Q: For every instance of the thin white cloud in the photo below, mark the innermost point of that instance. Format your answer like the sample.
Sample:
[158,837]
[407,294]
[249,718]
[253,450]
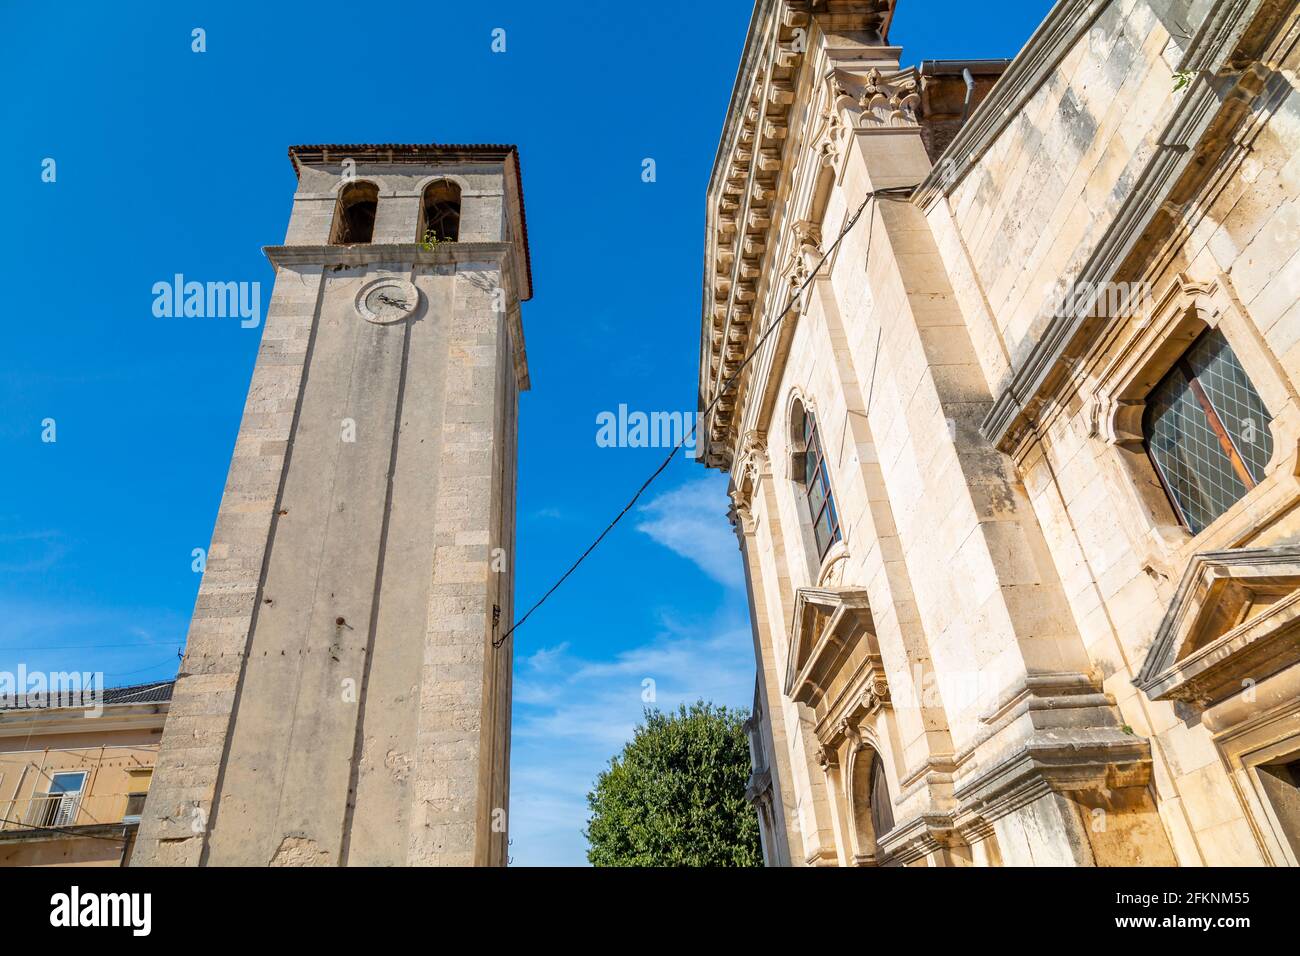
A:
[573,714]
[30,551]
[691,522]
[544,658]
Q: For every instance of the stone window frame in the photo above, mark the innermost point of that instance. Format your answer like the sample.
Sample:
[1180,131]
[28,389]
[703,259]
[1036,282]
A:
[1248,740]
[1178,317]
[855,745]
[819,566]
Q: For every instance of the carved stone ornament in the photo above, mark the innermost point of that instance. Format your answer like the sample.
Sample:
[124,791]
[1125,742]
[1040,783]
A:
[830,142]
[797,273]
[876,693]
[741,518]
[805,253]
[849,730]
[809,236]
[888,99]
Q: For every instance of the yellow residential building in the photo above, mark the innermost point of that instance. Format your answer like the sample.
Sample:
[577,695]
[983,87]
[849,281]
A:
[73,779]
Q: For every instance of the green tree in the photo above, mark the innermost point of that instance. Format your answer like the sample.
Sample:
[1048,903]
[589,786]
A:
[676,795]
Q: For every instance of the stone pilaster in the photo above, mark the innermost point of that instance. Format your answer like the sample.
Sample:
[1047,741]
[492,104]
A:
[1018,681]
[788,841]
[804,797]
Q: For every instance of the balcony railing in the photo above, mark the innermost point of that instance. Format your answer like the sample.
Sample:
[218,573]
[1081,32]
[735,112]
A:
[55,810]
[44,810]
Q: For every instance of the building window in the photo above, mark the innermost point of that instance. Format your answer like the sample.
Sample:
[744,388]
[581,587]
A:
[1281,782]
[134,806]
[882,809]
[1207,432]
[58,807]
[440,212]
[871,806]
[354,217]
[816,482]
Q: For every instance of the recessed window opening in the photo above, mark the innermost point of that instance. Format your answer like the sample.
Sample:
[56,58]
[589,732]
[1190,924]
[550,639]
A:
[440,212]
[354,217]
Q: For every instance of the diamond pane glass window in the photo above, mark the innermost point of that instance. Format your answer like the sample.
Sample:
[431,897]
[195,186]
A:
[817,487]
[1207,432]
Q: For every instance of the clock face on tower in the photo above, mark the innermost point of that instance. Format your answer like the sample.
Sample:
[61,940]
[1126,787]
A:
[387,300]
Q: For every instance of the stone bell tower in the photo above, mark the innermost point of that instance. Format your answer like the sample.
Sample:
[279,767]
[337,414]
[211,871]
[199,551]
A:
[343,700]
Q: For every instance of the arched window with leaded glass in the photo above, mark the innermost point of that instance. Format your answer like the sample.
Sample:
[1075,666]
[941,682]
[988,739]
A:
[810,471]
[1207,432]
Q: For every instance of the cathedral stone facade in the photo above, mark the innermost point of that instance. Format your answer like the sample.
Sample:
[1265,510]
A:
[1015,477]
[345,693]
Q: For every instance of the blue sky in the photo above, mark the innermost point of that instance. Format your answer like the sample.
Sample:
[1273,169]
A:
[173,161]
